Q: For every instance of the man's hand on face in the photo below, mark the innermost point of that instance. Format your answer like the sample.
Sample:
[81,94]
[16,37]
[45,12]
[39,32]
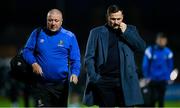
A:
[37,69]
[74,79]
[123,27]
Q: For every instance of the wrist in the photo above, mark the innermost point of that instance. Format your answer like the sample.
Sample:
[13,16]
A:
[74,75]
[35,63]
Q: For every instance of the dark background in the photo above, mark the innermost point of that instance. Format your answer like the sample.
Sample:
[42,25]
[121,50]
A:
[19,17]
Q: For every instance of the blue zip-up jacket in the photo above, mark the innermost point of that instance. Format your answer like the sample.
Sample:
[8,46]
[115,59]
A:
[157,63]
[53,53]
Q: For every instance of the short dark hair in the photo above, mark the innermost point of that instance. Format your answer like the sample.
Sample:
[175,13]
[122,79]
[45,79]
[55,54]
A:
[161,35]
[113,9]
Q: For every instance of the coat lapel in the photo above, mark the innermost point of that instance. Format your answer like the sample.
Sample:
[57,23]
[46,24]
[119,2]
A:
[104,41]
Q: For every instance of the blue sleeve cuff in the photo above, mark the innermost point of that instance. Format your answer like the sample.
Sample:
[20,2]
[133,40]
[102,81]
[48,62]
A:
[76,73]
[33,61]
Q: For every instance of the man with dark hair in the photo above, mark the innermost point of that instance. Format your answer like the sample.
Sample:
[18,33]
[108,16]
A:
[157,66]
[109,60]
[54,55]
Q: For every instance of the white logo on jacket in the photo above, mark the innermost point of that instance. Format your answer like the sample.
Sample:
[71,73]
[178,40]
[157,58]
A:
[61,43]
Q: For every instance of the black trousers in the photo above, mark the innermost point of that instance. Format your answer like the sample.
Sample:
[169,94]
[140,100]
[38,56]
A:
[109,92]
[51,94]
[157,91]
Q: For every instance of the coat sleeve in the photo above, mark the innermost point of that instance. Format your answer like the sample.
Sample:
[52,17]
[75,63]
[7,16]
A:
[75,57]
[133,38]
[28,51]
[90,56]
[146,64]
[169,64]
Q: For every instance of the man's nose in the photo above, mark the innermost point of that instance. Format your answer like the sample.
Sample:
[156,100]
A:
[116,22]
[53,22]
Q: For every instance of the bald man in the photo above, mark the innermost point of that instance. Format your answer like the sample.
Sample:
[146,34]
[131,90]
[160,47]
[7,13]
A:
[56,61]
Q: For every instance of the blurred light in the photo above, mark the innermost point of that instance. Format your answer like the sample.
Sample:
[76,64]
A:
[174,74]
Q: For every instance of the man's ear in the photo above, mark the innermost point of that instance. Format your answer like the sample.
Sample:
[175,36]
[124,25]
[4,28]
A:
[62,21]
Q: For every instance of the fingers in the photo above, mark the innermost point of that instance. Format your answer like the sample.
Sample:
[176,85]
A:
[123,27]
[37,69]
[40,71]
[74,79]
[71,78]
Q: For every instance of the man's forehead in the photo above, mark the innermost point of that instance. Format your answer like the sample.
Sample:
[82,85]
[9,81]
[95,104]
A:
[54,16]
[119,13]
[54,12]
